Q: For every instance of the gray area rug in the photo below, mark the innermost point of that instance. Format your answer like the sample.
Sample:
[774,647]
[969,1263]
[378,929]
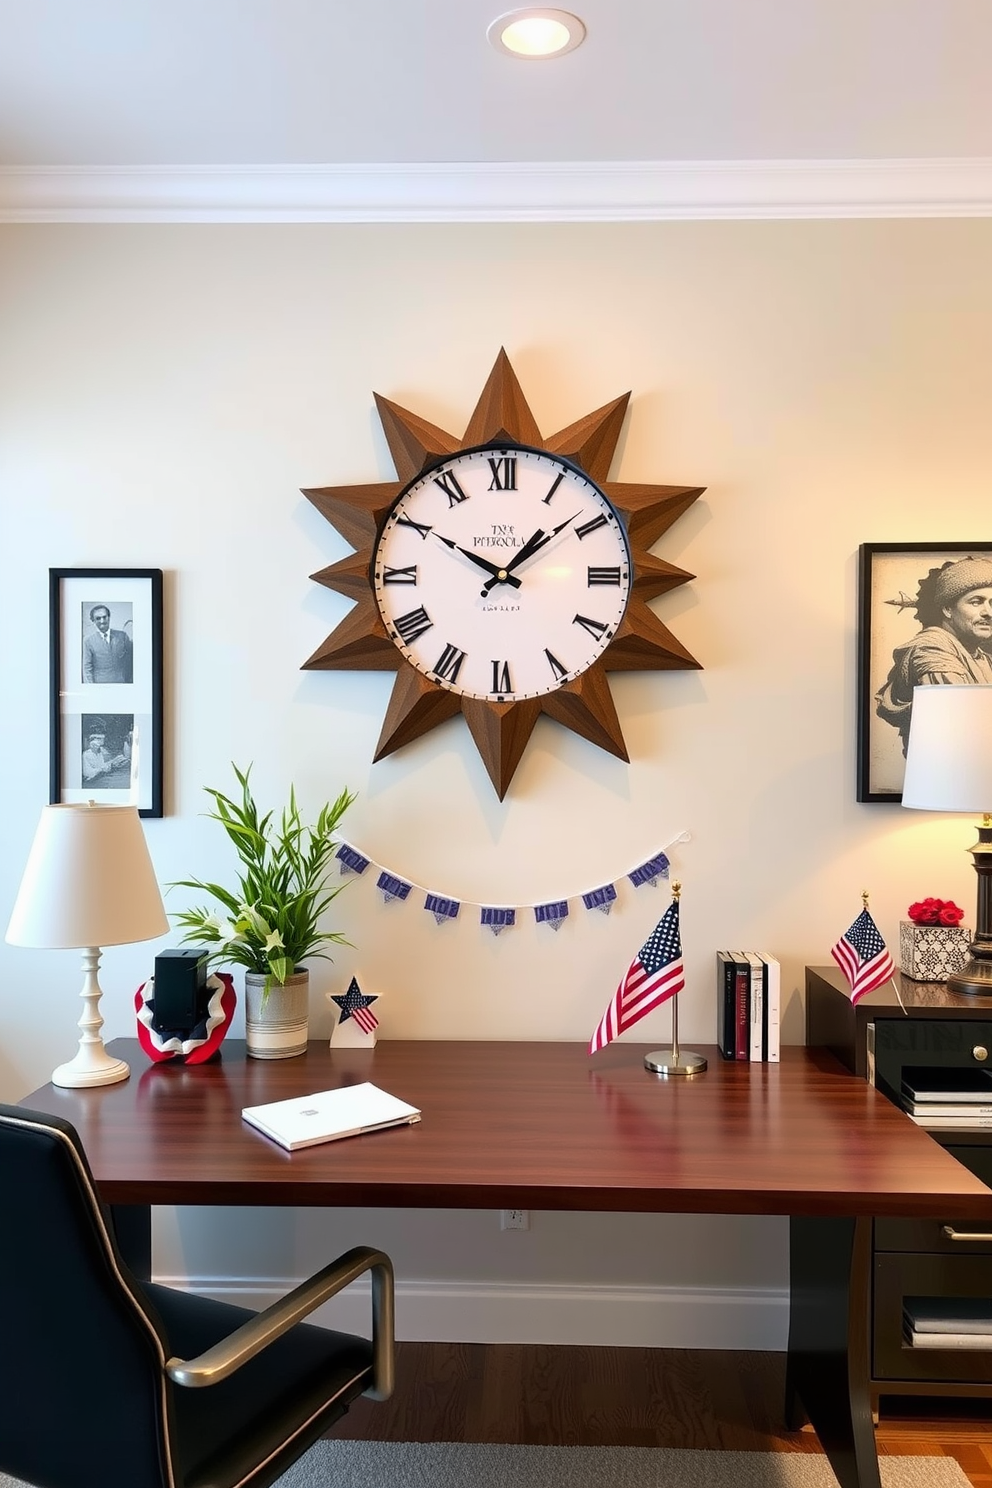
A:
[457,1465]
[352,1464]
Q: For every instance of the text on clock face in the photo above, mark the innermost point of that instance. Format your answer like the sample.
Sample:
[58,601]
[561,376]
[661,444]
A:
[502,574]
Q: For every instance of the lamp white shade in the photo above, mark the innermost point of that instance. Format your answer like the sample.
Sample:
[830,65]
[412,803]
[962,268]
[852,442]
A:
[949,756]
[89,881]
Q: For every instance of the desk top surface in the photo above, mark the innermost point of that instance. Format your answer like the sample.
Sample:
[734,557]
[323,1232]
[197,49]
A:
[529,1125]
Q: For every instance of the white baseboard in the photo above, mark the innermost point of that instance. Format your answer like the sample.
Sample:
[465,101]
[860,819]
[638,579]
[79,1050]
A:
[510,1312]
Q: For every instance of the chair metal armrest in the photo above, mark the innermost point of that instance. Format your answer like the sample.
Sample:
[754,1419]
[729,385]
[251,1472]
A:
[221,1361]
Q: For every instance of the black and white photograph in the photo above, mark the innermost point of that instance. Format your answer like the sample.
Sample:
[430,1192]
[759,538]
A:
[925,618]
[107,749]
[106,686]
[108,641]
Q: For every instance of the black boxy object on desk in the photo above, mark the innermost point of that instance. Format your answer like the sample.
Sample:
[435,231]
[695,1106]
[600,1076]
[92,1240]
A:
[181,994]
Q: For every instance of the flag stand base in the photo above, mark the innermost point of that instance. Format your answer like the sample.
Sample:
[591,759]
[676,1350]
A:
[674,1062]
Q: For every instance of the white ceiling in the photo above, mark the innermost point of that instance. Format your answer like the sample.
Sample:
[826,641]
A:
[147,84]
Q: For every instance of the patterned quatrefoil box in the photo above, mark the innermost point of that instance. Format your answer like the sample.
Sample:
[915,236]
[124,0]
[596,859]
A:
[931,953]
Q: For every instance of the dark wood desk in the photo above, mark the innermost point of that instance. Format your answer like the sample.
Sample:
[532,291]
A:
[542,1126]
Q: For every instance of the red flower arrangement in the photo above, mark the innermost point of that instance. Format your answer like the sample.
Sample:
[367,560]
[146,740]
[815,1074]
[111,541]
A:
[935,912]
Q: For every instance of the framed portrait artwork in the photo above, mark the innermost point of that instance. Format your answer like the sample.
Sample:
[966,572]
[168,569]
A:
[925,617]
[106,686]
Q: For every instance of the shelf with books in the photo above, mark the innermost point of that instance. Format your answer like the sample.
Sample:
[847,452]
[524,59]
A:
[932,1059]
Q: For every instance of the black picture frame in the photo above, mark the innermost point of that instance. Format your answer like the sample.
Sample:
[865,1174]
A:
[106,686]
[892,610]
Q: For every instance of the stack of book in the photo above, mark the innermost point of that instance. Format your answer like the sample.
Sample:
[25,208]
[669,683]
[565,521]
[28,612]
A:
[748,1003]
[947,1322]
[948,1099]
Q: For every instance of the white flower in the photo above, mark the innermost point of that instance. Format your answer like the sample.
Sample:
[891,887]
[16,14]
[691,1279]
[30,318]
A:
[224,931]
[251,920]
[273,942]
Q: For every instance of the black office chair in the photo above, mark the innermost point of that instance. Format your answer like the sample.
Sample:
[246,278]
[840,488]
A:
[101,1375]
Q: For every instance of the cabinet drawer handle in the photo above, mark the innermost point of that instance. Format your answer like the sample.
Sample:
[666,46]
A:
[975,1235]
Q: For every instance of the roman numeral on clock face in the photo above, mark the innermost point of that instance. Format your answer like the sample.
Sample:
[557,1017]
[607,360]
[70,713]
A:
[449,485]
[603,575]
[504,469]
[556,666]
[557,482]
[402,575]
[449,663]
[420,527]
[501,677]
[413,624]
[593,525]
[596,628]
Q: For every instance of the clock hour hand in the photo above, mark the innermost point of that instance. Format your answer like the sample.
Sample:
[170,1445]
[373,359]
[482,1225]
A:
[534,543]
[499,575]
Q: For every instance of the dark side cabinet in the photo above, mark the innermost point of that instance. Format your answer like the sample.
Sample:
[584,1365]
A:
[916,1258]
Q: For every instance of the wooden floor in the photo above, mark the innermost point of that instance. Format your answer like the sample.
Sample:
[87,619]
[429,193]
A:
[631,1397]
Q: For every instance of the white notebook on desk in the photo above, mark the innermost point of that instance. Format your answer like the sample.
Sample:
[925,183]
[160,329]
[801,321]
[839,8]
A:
[329,1115]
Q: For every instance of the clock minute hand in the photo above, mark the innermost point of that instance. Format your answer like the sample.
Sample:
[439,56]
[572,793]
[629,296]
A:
[499,575]
[534,543]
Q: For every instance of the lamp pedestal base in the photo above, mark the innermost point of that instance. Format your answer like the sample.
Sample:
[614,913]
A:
[92,1065]
[975,975]
[81,1072]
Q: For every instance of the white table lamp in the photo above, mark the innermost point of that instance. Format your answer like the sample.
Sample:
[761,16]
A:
[88,883]
[949,768]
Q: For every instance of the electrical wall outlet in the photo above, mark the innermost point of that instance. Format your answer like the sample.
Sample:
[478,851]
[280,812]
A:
[514,1219]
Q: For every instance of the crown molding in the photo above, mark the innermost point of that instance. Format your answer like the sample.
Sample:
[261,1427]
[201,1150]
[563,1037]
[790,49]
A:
[599,191]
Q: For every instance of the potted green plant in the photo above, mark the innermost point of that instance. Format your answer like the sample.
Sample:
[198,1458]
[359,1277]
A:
[270,923]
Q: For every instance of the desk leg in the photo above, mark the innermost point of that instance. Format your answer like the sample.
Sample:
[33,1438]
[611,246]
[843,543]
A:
[132,1225]
[828,1364]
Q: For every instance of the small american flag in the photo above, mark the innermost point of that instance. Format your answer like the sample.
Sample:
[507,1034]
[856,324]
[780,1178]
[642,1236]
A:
[862,956]
[655,974]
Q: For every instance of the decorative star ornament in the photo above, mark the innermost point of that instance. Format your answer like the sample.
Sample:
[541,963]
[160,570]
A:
[537,523]
[353,1004]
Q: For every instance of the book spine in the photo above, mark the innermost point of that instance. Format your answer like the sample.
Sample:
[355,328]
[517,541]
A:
[726,1005]
[952,1123]
[773,999]
[756,1017]
[937,1108]
[982,1341]
[742,1020]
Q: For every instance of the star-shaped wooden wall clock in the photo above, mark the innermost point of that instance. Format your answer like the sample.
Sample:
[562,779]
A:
[502,575]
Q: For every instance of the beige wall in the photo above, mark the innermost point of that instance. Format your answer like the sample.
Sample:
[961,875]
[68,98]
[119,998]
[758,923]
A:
[164,393]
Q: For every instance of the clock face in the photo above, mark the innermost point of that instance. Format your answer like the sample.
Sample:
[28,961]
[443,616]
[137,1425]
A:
[502,573]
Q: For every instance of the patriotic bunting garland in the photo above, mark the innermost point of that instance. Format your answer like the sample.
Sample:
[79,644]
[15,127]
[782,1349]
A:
[600,898]
[553,914]
[495,917]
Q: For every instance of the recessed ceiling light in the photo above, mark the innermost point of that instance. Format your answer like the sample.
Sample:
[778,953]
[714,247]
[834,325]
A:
[534,34]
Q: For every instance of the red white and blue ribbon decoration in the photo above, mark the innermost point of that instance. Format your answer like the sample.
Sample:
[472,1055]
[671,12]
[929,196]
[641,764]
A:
[496,918]
[199,1043]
